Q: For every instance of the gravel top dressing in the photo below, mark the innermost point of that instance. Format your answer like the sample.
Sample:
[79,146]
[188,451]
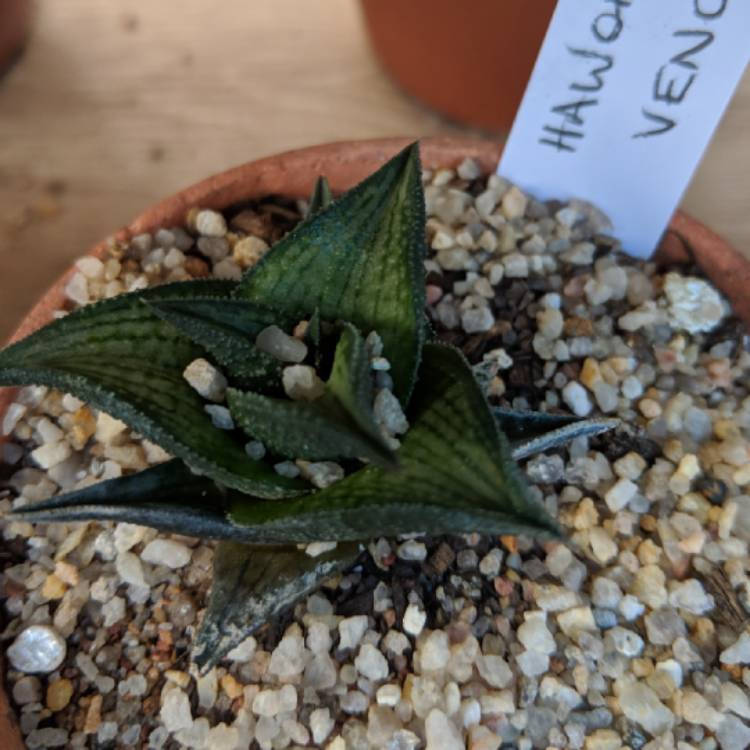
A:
[633,635]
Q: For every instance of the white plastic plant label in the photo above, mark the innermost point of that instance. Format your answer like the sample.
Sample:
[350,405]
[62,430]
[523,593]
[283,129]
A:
[623,100]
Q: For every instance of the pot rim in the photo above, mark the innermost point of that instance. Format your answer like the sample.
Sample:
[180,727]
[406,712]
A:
[292,174]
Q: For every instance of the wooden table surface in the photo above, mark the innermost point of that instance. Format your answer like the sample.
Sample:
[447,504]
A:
[118,103]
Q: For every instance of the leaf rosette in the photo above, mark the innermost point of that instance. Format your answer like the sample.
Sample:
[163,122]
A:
[329,413]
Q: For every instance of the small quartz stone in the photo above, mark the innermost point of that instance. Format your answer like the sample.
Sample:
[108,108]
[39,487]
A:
[494,670]
[535,636]
[733,734]
[175,710]
[221,418]
[51,454]
[255,450]
[414,620]
[371,663]
[129,569]
[441,732]
[603,546]
[280,345]
[642,705]
[206,380]
[135,685]
[288,658]
[166,552]
[388,695]
[468,169]
[490,564]
[516,265]
[513,204]
[435,651]
[210,223]
[693,303]
[649,586]
[47,737]
[266,703]
[113,611]
[550,323]
[575,396]
[477,320]
[319,548]
[625,641]
[248,251]
[545,469]
[691,596]
[27,690]
[620,494]
[351,630]
[389,414]
[37,649]
[735,699]
[412,550]
[301,382]
[321,473]
[737,653]
[321,724]
[287,469]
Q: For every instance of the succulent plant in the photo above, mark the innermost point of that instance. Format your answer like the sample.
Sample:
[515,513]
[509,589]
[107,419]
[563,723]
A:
[349,282]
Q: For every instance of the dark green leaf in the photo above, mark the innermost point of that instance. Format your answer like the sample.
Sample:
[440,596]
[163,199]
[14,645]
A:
[227,328]
[321,196]
[533,432]
[340,424]
[358,260]
[119,357]
[255,585]
[456,476]
[168,497]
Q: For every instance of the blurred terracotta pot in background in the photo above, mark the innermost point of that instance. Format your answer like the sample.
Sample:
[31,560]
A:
[469,61]
[15,16]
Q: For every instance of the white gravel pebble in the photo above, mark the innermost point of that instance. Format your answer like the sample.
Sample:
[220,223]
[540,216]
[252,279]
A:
[301,383]
[38,649]
[210,223]
[575,396]
[371,663]
[206,380]
[175,710]
[414,620]
[166,552]
[281,345]
[738,652]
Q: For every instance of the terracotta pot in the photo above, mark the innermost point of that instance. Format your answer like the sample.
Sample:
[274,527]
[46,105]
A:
[292,174]
[15,16]
[469,61]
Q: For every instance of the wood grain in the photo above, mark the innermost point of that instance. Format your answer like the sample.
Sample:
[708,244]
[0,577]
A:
[117,104]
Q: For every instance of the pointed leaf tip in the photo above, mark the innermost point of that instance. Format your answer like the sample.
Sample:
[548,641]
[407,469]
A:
[321,196]
[360,260]
[340,424]
[118,356]
[456,476]
[253,585]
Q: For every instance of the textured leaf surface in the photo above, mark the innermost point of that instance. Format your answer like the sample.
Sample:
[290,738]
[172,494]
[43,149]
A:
[531,432]
[254,585]
[168,497]
[455,475]
[358,260]
[227,328]
[340,424]
[119,357]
